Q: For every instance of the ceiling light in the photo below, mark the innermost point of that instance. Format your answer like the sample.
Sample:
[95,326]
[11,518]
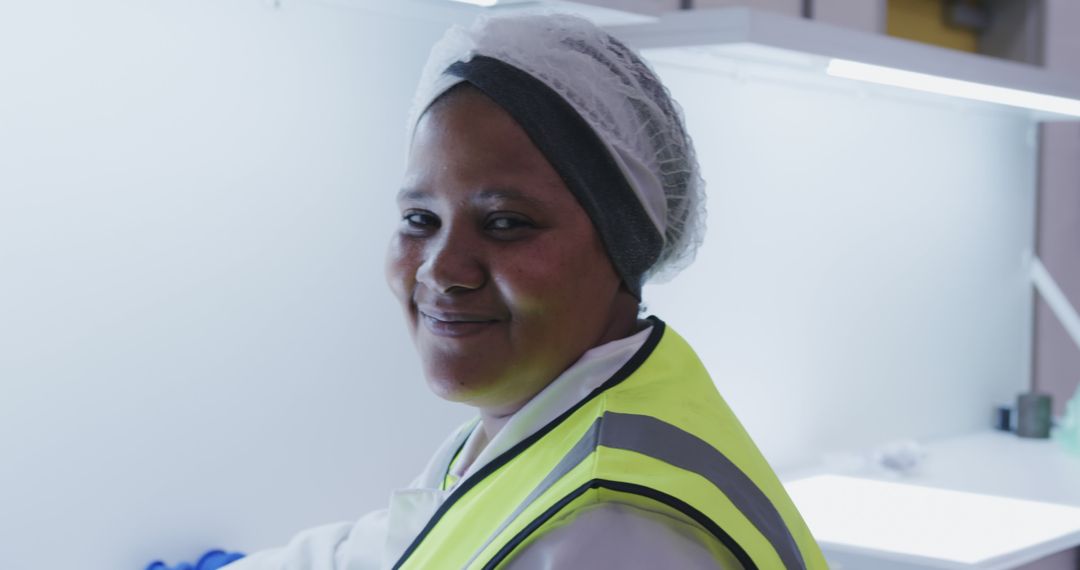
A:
[484,3]
[953,87]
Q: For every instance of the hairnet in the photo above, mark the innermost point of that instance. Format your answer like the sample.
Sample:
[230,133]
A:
[623,102]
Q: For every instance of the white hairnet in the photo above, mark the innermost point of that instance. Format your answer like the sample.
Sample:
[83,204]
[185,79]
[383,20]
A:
[615,92]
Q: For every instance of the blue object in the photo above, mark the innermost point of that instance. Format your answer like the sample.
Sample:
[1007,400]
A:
[210,561]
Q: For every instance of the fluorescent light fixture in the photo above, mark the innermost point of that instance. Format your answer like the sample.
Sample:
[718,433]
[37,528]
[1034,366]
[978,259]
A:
[484,3]
[1055,298]
[953,87]
[928,523]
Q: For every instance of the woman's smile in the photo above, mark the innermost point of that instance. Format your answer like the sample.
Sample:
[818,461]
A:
[455,324]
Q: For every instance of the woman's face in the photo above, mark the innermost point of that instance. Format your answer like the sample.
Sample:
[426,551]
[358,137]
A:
[503,279]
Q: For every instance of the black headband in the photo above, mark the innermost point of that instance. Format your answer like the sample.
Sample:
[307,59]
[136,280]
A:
[579,156]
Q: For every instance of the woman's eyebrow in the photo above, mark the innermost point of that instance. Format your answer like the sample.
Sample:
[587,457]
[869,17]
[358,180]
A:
[507,195]
[500,194]
[413,195]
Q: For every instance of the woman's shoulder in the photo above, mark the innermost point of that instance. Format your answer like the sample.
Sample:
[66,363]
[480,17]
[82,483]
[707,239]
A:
[619,534]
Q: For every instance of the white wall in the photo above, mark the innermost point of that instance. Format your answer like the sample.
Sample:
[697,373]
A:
[197,346]
[863,278]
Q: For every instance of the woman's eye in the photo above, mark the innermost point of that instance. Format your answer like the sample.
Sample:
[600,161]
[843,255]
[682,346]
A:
[420,220]
[504,223]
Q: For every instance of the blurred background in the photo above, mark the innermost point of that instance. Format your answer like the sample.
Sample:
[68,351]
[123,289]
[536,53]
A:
[197,346]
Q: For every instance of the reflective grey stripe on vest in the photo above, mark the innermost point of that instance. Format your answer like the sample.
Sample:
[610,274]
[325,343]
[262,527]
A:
[660,440]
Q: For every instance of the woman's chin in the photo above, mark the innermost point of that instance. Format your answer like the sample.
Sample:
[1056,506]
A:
[488,396]
[458,389]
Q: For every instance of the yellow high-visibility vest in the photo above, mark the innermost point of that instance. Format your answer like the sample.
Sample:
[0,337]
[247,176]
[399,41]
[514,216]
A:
[658,435]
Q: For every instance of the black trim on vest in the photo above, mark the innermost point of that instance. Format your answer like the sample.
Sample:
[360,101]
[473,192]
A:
[580,157]
[685,508]
[454,457]
[635,362]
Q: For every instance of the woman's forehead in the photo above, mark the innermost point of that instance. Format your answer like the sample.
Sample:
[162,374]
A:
[467,110]
[469,141]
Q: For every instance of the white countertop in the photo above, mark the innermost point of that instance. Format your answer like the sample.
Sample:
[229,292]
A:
[988,500]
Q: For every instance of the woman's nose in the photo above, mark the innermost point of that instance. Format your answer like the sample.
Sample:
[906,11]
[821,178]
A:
[451,263]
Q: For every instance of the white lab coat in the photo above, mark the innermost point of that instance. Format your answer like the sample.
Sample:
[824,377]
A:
[609,535]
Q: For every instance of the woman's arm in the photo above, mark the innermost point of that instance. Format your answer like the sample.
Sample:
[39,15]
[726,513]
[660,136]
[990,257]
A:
[355,545]
[628,537]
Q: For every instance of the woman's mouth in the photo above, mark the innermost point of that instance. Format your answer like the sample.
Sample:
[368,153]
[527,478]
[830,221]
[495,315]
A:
[448,324]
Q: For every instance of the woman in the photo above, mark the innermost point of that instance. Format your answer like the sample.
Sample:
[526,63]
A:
[550,176]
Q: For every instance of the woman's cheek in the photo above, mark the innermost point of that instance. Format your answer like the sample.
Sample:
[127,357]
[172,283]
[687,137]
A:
[400,267]
[524,289]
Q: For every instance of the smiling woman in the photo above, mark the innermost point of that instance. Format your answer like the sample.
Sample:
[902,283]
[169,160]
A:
[503,278]
[549,176]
